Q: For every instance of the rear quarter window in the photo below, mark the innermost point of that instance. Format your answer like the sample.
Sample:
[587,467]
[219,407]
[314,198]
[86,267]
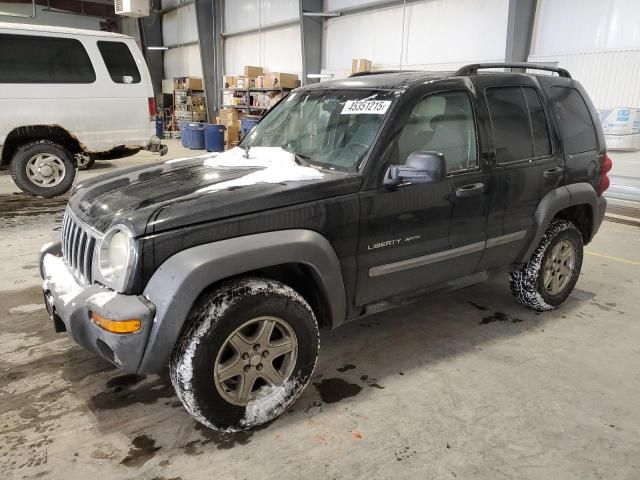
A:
[120,63]
[43,59]
[576,123]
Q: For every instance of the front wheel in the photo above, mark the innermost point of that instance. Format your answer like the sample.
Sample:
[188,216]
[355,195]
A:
[248,352]
[549,276]
[43,169]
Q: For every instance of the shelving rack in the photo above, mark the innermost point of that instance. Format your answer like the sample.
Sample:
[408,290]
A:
[248,92]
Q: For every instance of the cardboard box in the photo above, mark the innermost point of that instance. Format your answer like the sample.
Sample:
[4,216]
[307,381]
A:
[246,82]
[360,65]
[187,83]
[229,81]
[621,128]
[228,117]
[250,71]
[280,80]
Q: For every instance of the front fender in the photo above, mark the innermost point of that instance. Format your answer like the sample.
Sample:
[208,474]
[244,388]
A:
[178,282]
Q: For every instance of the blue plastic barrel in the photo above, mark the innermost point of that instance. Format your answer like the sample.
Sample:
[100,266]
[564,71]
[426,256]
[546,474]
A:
[247,124]
[196,136]
[159,127]
[184,133]
[214,137]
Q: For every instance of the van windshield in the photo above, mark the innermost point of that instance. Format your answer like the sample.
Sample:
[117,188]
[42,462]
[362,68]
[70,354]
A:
[330,128]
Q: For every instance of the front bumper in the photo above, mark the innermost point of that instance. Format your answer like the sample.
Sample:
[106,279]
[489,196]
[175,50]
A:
[70,304]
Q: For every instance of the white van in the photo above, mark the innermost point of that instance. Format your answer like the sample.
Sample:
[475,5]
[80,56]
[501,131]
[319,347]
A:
[67,98]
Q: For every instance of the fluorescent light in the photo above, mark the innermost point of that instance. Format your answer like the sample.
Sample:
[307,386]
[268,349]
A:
[319,75]
[157,48]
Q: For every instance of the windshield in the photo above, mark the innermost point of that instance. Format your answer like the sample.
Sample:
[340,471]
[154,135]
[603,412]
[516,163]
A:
[330,128]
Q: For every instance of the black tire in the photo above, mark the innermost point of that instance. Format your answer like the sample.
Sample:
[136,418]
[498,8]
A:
[213,319]
[88,165]
[27,151]
[527,283]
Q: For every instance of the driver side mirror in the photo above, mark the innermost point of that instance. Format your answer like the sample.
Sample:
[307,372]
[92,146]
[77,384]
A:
[421,167]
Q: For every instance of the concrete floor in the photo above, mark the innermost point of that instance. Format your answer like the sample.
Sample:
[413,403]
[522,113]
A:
[461,385]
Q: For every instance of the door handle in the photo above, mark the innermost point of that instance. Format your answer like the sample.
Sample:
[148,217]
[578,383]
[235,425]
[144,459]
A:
[554,172]
[470,190]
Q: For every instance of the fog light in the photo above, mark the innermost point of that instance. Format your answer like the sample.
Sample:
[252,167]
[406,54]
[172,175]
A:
[116,326]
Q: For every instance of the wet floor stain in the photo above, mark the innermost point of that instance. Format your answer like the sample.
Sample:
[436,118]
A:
[499,317]
[478,306]
[122,396]
[376,385]
[143,449]
[333,390]
[581,294]
[221,440]
[346,367]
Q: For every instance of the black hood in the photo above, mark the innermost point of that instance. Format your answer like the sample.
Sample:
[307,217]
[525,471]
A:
[175,193]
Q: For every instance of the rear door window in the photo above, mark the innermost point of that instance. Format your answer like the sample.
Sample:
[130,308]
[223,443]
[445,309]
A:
[119,62]
[577,125]
[520,129]
[41,59]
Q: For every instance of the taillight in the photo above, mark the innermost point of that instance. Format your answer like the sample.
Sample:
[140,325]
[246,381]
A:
[604,177]
[152,108]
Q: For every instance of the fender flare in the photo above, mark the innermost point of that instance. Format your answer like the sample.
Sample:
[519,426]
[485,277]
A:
[555,201]
[178,282]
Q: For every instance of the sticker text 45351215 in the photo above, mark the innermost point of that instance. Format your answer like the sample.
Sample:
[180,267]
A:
[378,107]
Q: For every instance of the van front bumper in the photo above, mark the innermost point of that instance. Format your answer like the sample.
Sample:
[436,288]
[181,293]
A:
[70,304]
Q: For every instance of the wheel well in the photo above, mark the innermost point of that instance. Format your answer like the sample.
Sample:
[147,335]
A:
[21,135]
[298,276]
[581,216]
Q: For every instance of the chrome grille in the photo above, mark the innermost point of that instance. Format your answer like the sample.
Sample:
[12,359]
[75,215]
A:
[78,244]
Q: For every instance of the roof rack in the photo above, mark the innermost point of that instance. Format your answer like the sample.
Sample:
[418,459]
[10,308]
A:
[378,72]
[474,67]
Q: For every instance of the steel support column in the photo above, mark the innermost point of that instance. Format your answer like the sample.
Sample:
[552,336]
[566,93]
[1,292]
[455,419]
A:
[151,35]
[209,20]
[311,39]
[522,14]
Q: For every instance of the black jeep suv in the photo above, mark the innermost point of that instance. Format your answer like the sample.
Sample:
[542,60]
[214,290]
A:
[347,194]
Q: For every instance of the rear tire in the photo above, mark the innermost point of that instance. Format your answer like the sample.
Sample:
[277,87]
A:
[43,169]
[248,352]
[551,273]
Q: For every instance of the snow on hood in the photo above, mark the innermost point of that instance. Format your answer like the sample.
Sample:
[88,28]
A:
[278,166]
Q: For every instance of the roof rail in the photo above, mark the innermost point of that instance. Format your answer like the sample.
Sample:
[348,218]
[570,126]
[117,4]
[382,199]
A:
[378,72]
[474,67]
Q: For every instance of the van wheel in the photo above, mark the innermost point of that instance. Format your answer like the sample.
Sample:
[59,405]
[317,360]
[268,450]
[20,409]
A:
[43,169]
[550,275]
[248,352]
[84,161]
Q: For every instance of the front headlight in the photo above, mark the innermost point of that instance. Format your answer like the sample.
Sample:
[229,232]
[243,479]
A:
[116,257]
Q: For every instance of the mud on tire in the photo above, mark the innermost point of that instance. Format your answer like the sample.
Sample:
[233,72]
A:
[527,284]
[215,319]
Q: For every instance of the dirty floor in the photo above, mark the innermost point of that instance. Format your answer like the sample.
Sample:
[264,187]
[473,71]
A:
[460,385]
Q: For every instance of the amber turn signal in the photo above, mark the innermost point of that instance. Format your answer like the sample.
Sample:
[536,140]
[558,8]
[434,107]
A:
[120,326]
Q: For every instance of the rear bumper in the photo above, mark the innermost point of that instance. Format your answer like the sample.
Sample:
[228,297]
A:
[70,305]
[156,146]
[598,215]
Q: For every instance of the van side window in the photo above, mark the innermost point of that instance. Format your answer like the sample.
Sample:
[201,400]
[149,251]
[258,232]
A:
[40,59]
[120,63]
[520,129]
[444,123]
[577,124]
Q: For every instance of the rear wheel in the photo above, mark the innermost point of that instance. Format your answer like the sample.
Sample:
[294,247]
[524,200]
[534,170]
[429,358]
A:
[249,351]
[43,169]
[549,276]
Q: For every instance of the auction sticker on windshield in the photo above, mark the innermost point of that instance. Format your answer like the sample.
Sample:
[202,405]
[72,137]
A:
[378,107]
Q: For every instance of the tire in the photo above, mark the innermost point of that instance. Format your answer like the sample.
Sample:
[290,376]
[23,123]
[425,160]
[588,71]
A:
[217,318]
[64,169]
[528,283]
[85,162]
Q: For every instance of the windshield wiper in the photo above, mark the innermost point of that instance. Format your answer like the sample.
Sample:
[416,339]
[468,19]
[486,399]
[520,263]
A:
[299,158]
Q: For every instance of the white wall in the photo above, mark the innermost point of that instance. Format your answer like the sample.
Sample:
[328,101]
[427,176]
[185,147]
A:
[49,18]
[277,50]
[438,35]
[598,41]
[179,26]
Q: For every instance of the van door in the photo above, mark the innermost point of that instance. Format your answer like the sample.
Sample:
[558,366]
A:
[420,235]
[526,164]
